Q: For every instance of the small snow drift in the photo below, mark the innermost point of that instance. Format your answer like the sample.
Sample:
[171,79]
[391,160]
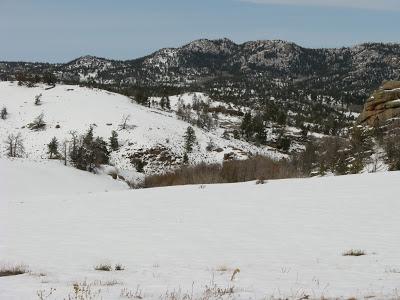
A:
[284,239]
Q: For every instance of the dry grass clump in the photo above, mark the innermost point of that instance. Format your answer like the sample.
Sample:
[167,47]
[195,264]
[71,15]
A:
[222,268]
[212,291]
[13,270]
[83,290]
[103,267]
[106,282]
[130,294]
[215,292]
[354,252]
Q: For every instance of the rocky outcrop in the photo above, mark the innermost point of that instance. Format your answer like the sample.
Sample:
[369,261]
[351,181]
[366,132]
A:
[383,106]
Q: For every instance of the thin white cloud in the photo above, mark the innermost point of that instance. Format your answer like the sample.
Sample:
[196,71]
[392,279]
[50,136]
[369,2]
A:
[386,5]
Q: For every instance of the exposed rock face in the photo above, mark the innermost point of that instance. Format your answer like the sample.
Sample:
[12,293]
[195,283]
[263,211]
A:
[382,106]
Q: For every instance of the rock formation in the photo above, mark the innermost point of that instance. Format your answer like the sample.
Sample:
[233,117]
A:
[383,106]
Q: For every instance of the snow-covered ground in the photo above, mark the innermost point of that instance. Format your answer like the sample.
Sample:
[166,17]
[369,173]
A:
[76,108]
[287,237]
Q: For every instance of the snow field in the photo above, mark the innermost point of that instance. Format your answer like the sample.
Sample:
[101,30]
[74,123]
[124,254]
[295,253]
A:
[287,237]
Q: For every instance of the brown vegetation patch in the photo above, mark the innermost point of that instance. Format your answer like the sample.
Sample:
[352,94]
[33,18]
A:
[230,171]
[12,270]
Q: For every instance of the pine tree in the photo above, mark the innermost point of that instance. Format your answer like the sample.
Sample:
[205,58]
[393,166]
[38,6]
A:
[190,139]
[88,139]
[74,147]
[142,98]
[139,164]
[163,102]
[38,99]
[114,145]
[185,160]
[258,128]
[3,113]
[89,152]
[101,155]
[246,126]
[53,147]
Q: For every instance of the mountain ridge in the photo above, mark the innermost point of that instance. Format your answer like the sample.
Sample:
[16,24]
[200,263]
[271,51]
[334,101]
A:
[367,43]
[266,75]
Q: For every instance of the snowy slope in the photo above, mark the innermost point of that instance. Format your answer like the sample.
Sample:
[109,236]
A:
[286,237]
[55,178]
[76,108]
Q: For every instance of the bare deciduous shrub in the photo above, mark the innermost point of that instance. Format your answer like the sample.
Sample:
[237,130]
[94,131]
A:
[13,270]
[119,267]
[124,123]
[103,267]
[354,252]
[230,171]
[44,294]
[260,181]
[14,145]
[38,123]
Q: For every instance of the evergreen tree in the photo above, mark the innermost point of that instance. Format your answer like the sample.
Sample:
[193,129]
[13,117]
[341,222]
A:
[49,78]
[139,165]
[3,113]
[185,160]
[101,155]
[142,98]
[259,130]
[190,139]
[163,102]
[53,147]
[114,145]
[88,138]
[247,127]
[38,99]
[89,152]
[73,149]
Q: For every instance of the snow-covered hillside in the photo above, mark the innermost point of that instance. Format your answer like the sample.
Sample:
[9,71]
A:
[55,179]
[155,136]
[286,237]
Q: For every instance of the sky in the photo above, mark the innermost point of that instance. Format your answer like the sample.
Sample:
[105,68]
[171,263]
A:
[61,30]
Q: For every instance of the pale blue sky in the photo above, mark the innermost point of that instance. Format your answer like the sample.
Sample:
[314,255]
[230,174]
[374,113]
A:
[58,31]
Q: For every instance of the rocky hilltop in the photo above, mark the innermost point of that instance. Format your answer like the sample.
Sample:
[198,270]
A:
[383,107]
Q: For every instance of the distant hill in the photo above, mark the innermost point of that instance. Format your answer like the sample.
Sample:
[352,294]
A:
[314,85]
